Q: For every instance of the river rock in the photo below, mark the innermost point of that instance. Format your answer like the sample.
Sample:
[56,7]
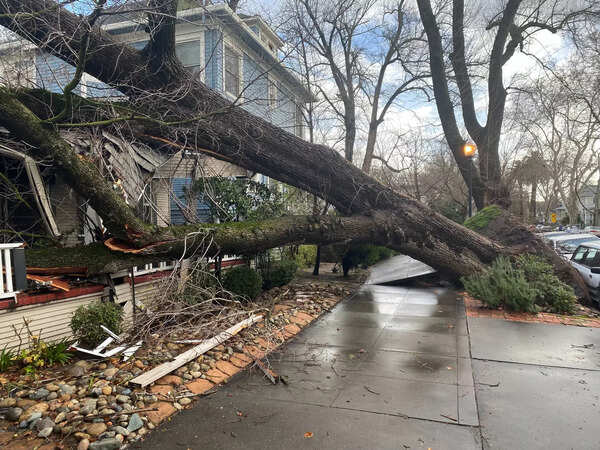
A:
[135,423]
[109,373]
[67,389]
[120,430]
[13,414]
[106,444]
[45,432]
[96,429]
[39,394]
[8,402]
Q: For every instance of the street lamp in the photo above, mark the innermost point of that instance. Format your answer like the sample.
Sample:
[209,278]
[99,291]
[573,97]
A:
[469,151]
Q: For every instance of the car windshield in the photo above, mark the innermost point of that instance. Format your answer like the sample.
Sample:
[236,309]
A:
[570,245]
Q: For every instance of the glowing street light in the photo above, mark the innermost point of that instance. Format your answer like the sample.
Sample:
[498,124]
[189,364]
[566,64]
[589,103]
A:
[469,151]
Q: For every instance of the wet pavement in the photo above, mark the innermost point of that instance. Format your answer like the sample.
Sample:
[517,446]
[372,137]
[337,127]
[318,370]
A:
[399,367]
[388,368]
[537,385]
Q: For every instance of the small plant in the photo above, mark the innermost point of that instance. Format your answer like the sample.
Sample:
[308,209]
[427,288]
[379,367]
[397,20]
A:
[526,284]
[279,273]
[243,281]
[7,359]
[57,353]
[87,319]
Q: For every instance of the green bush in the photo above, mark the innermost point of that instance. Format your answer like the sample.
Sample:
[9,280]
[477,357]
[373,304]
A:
[364,255]
[306,255]
[552,293]
[279,273]
[525,284]
[244,281]
[86,322]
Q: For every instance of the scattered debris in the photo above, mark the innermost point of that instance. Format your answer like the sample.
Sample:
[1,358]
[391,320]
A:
[490,385]
[449,418]
[371,390]
[270,374]
[166,368]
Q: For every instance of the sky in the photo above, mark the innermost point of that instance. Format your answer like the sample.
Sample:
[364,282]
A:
[414,110]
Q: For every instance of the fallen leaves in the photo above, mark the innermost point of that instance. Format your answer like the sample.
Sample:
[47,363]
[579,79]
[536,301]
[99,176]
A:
[308,435]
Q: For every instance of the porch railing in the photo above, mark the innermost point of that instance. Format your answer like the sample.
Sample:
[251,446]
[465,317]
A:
[151,268]
[12,270]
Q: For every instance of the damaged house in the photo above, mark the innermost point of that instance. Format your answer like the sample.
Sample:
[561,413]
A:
[233,54]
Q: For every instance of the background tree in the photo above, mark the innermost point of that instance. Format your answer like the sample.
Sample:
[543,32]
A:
[371,52]
[506,26]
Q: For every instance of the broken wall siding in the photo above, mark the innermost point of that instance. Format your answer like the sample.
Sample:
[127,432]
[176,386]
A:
[180,166]
[144,292]
[52,320]
[65,205]
[161,189]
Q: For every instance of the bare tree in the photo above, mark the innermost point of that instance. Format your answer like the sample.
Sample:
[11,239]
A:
[360,43]
[509,26]
[566,134]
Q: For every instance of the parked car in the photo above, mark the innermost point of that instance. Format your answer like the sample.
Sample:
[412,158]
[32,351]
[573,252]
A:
[593,229]
[565,244]
[586,260]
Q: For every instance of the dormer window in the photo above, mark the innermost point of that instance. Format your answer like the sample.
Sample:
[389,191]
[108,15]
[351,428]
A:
[232,71]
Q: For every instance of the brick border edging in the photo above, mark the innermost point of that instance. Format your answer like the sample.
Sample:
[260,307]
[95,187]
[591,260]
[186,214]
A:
[475,308]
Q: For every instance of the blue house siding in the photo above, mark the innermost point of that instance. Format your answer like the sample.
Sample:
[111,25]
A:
[256,90]
[213,57]
[179,186]
[283,115]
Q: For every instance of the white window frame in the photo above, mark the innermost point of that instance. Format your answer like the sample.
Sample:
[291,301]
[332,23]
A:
[197,35]
[238,51]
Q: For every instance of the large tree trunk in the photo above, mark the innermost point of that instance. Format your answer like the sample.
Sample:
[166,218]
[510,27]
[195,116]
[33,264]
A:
[234,135]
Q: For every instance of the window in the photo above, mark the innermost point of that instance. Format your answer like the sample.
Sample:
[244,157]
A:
[139,45]
[591,257]
[189,54]
[579,254]
[272,94]
[232,71]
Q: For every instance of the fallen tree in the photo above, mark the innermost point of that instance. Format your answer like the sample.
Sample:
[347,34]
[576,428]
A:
[177,110]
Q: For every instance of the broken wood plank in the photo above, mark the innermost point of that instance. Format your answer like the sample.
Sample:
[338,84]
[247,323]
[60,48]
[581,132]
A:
[111,334]
[50,281]
[73,271]
[105,343]
[164,369]
[128,353]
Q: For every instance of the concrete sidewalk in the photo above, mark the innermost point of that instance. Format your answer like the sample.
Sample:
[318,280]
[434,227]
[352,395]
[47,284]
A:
[537,385]
[399,367]
[389,368]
